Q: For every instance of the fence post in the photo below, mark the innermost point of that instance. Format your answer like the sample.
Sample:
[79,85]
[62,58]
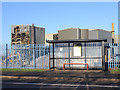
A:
[53,56]
[85,53]
[34,63]
[69,53]
[103,56]
[6,55]
[49,55]
[108,57]
[44,55]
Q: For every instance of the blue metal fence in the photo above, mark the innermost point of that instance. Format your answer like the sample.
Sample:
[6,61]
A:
[37,55]
[113,56]
[25,56]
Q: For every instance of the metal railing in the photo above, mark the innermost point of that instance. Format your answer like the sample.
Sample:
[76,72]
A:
[25,56]
[113,56]
[38,56]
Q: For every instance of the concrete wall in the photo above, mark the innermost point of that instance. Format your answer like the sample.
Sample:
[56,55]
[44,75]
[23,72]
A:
[84,33]
[93,34]
[76,33]
[100,34]
[40,35]
[67,34]
[105,35]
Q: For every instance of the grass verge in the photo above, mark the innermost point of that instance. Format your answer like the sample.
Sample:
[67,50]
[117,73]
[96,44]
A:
[23,70]
[115,71]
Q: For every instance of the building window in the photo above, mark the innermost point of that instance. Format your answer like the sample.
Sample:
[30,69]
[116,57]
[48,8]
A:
[14,30]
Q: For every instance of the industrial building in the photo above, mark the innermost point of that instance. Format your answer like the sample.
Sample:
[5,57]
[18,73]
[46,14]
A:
[77,33]
[100,34]
[27,34]
[72,33]
[116,38]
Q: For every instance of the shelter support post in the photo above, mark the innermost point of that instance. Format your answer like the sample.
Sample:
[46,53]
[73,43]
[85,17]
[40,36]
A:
[103,56]
[53,56]
[85,54]
[69,53]
[49,55]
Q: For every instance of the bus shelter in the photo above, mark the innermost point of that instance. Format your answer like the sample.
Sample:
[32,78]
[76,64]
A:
[77,54]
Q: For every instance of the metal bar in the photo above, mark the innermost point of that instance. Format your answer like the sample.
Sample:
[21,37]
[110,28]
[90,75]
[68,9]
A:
[106,55]
[24,59]
[108,58]
[103,57]
[116,61]
[36,48]
[53,56]
[6,55]
[73,41]
[12,56]
[20,56]
[69,53]
[118,53]
[49,55]
[85,54]
[112,56]
[116,56]
[34,56]
[75,63]
[39,56]
[44,56]
[80,58]
[26,56]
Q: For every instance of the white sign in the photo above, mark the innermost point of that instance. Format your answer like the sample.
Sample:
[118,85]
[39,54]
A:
[77,51]
[61,49]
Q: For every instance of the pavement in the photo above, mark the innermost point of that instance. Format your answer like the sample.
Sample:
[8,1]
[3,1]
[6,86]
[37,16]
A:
[61,79]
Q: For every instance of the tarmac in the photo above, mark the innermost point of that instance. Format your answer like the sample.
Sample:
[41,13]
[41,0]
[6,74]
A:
[62,78]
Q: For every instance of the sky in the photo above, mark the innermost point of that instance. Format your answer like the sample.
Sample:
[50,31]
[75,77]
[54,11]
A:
[56,16]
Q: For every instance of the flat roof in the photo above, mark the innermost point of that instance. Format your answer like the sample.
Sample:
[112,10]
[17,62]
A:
[76,40]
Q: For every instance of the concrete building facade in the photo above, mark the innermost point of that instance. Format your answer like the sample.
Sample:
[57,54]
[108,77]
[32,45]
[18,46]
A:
[27,34]
[100,34]
[77,33]
[72,33]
